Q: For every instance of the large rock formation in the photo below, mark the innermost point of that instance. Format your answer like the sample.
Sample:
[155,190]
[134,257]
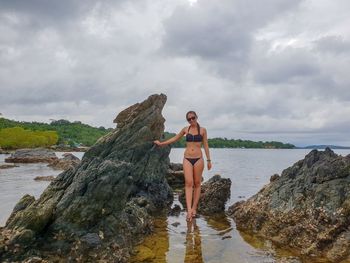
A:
[100,208]
[214,194]
[32,155]
[306,209]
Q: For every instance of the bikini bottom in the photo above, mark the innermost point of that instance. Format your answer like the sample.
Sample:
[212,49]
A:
[192,160]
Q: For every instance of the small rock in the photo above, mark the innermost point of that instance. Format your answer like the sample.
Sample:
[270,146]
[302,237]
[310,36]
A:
[32,155]
[44,178]
[69,160]
[6,166]
[214,195]
[175,224]
[175,211]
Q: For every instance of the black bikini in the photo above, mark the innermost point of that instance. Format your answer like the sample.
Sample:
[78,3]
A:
[193,138]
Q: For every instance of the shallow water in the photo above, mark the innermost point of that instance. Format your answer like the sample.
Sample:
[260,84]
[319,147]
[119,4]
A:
[216,239]
[207,239]
[18,181]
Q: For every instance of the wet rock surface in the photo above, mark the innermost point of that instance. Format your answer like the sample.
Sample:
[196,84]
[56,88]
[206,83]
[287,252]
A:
[68,161]
[31,155]
[306,209]
[214,194]
[102,206]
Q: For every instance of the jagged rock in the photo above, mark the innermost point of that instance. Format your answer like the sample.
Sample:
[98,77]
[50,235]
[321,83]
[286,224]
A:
[214,195]
[114,192]
[68,161]
[307,208]
[29,155]
[7,166]
[274,177]
[23,203]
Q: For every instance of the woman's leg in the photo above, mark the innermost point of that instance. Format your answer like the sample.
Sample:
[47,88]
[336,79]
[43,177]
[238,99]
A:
[197,176]
[188,173]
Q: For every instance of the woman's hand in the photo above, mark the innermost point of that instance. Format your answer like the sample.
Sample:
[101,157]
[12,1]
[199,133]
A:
[158,143]
[209,165]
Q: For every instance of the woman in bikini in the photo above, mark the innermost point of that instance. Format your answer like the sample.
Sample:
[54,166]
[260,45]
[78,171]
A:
[193,163]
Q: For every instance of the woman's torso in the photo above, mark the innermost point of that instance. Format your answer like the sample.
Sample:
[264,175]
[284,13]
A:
[193,148]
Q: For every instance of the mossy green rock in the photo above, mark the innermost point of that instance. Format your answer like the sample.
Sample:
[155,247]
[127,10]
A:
[113,192]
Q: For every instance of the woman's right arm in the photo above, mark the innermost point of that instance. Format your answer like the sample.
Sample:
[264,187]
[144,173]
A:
[171,140]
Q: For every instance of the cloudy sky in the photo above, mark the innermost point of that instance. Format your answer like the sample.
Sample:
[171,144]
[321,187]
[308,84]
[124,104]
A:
[260,70]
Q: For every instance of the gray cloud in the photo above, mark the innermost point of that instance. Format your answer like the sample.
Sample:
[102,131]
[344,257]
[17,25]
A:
[220,33]
[271,70]
[333,44]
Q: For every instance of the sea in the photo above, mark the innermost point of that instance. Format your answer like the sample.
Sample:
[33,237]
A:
[206,239]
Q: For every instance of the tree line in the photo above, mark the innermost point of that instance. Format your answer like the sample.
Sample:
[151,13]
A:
[68,133]
[20,134]
[232,143]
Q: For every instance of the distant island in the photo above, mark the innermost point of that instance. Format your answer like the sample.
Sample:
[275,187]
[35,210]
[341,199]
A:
[324,146]
[234,143]
[22,134]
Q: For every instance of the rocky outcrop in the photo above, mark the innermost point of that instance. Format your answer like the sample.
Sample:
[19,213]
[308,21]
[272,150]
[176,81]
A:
[214,194]
[68,161]
[100,208]
[306,209]
[32,155]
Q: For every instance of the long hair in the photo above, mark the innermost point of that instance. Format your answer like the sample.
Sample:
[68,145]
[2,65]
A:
[195,114]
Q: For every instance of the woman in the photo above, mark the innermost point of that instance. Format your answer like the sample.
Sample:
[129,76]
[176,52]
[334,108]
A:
[193,163]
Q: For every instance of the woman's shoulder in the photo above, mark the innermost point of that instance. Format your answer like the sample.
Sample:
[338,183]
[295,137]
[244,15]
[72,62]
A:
[185,129]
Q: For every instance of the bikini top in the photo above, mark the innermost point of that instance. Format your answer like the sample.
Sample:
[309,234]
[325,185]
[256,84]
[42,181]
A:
[194,138]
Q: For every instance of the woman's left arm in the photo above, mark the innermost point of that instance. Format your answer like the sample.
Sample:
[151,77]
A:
[206,148]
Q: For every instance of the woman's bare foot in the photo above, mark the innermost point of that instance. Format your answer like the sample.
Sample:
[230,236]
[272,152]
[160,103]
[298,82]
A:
[189,215]
[194,213]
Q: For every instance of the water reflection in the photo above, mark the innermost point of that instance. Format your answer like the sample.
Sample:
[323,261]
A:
[155,247]
[210,239]
[193,243]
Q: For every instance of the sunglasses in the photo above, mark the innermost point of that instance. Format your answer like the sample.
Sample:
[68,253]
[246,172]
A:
[191,118]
